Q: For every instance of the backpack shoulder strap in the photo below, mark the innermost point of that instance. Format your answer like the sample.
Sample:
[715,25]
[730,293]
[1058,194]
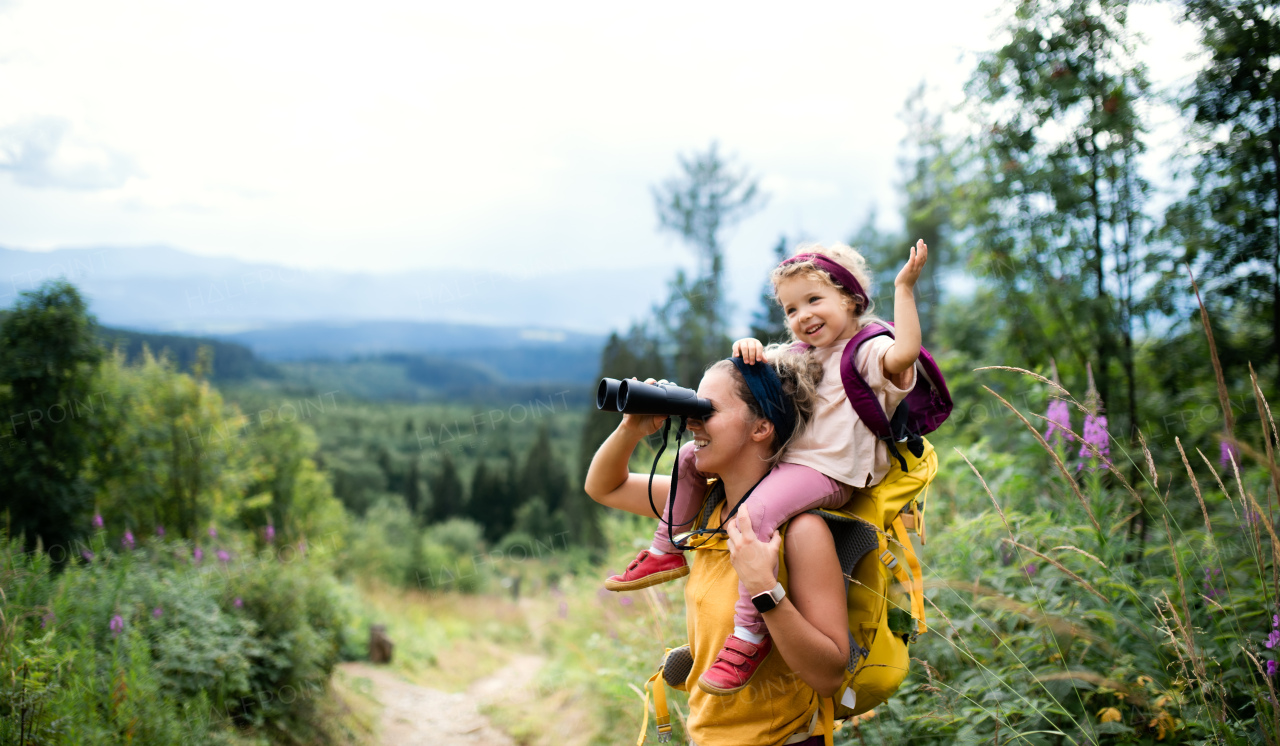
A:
[861,397]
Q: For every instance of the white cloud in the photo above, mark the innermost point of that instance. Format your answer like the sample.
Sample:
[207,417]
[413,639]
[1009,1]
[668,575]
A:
[38,153]
[398,134]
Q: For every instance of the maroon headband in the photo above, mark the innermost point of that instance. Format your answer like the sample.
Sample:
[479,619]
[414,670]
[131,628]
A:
[843,277]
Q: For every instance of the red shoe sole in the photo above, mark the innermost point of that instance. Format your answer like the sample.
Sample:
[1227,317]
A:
[648,580]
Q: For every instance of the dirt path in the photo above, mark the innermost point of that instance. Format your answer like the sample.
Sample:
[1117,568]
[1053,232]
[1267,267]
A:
[414,715]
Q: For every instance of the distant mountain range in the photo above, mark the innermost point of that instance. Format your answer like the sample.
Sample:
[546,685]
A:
[163,289]
[410,336]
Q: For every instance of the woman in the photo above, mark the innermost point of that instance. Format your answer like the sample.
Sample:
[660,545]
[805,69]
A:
[739,445]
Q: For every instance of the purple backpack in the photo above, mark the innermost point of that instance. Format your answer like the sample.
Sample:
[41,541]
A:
[924,409]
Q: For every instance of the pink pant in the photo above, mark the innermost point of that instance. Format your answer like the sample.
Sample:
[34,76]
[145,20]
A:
[787,491]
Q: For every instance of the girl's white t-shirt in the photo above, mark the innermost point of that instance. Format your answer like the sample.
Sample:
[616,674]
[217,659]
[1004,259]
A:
[837,442]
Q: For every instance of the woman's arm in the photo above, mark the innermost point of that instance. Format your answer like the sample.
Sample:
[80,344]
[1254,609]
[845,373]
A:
[811,625]
[609,481]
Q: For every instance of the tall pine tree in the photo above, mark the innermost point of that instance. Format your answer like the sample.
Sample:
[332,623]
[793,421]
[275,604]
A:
[48,357]
[447,496]
[1056,205]
[708,198]
[1229,222]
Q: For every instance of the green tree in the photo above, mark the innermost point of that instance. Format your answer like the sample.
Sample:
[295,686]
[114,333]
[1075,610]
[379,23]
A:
[1056,203]
[49,356]
[543,474]
[414,497]
[929,186]
[1229,222]
[768,323]
[708,198]
[491,503]
[172,454]
[447,496]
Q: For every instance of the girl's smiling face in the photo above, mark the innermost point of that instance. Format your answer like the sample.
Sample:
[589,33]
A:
[816,312]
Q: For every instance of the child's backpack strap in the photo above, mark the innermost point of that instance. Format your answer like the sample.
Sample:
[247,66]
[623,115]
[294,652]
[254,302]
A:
[863,398]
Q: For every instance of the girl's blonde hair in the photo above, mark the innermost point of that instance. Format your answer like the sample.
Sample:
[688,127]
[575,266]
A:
[799,374]
[861,307]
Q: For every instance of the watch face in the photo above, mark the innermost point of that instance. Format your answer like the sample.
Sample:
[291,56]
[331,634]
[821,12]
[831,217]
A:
[764,602]
[769,600]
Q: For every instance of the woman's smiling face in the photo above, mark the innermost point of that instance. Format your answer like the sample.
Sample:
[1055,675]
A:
[720,438]
[816,312]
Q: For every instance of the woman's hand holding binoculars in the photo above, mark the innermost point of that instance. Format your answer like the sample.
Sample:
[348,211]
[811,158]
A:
[643,425]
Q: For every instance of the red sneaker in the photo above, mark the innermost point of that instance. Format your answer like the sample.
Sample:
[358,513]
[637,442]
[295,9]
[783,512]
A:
[649,569]
[737,662]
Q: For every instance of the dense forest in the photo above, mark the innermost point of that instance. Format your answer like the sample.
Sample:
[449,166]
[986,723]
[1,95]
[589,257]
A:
[183,530]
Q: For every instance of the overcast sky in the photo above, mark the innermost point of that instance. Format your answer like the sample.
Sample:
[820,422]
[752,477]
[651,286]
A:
[387,135]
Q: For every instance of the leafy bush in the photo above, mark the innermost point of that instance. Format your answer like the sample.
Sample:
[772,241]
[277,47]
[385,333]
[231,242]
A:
[449,557]
[1123,601]
[152,646]
[380,546]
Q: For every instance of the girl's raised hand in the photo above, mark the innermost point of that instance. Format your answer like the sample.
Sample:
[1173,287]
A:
[750,350]
[910,273]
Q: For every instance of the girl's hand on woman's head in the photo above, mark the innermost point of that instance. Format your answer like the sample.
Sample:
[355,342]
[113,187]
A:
[910,273]
[756,561]
[750,350]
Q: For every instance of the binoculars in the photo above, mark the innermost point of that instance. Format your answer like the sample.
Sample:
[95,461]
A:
[634,397]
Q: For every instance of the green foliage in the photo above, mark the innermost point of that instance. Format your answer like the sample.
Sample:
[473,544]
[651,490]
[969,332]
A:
[447,495]
[1052,622]
[543,475]
[148,646]
[1226,223]
[449,557]
[706,199]
[381,545]
[227,361]
[48,354]
[769,324]
[1055,201]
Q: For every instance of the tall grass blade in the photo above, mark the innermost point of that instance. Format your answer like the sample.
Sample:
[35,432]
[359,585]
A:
[1071,480]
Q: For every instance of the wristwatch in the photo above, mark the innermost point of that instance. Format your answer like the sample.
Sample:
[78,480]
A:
[769,600]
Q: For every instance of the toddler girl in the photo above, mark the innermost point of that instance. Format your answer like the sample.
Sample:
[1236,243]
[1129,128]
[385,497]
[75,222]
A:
[823,293]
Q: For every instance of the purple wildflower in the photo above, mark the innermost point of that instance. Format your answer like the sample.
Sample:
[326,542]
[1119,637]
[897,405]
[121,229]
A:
[1210,585]
[213,532]
[224,556]
[1031,570]
[197,554]
[117,625]
[97,520]
[1095,434]
[1271,669]
[626,601]
[88,556]
[48,619]
[128,541]
[1273,639]
[160,531]
[1059,417]
[1228,453]
[271,533]
[238,603]
[157,613]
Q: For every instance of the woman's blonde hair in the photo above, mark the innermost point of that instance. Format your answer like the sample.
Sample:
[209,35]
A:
[861,307]
[799,374]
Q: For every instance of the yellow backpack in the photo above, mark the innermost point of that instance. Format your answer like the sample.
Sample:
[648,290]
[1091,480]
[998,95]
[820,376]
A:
[872,542]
